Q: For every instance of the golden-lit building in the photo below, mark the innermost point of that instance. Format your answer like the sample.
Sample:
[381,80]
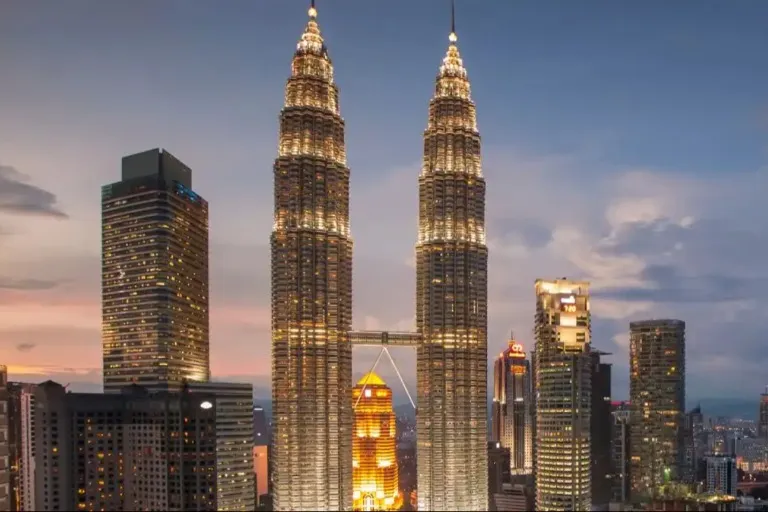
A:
[657,398]
[452,301]
[512,408]
[374,453]
[154,275]
[311,290]
[563,378]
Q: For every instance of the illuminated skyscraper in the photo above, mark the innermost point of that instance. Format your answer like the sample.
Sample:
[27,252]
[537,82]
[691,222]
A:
[374,457]
[512,416]
[451,301]
[311,290]
[154,274]
[563,389]
[657,397]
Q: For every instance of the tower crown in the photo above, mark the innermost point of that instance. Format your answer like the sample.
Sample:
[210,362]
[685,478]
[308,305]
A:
[452,79]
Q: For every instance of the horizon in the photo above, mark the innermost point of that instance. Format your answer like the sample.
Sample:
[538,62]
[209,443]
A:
[620,146]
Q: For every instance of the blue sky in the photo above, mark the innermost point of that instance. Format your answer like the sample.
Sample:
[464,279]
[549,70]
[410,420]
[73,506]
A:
[624,143]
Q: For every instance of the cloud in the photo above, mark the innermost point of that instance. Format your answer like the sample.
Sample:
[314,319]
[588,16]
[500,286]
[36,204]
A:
[26,284]
[25,347]
[17,196]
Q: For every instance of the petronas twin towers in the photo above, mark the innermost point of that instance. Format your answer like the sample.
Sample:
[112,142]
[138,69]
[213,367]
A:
[312,295]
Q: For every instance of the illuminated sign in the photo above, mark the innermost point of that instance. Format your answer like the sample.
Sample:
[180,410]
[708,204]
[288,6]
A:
[568,300]
[516,350]
[206,405]
[568,308]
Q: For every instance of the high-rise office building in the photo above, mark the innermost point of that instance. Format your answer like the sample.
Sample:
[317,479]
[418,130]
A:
[154,274]
[311,290]
[721,475]
[620,452]
[374,458]
[141,449]
[5,470]
[452,301]
[511,414]
[695,445]
[762,420]
[498,470]
[563,395]
[657,397]
[600,430]
[21,442]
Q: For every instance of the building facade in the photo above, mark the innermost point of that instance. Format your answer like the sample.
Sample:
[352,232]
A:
[657,397]
[601,422]
[512,414]
[563,395]
[5,462]
[762,419]
[311,290]
[21,442]
[374,456]
[620,452]
[721,475]
[154,275]
[143,449]
[452,301]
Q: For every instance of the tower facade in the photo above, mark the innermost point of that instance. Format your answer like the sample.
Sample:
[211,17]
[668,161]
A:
[154,282]
[374,456]
[563,395]
[451,301]
[657,397]
[311,290]
[512,416]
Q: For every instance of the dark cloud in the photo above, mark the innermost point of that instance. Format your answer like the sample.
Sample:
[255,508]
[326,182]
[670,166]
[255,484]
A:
[19,197]
[532,233]
[7,283]
[668,283]
[25,347]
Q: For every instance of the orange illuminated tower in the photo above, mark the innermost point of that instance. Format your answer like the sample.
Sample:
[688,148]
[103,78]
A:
[374,458]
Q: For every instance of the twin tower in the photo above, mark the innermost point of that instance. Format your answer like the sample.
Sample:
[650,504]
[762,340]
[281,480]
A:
[312,295]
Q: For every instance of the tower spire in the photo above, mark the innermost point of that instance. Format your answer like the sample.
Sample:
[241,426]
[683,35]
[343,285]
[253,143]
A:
[452,37]
[312,10]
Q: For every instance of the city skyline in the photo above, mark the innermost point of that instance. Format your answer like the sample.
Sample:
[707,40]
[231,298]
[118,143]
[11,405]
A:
[648,198]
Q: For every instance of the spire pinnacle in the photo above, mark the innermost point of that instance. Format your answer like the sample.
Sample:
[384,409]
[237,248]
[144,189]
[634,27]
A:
[452,37]
[312,10]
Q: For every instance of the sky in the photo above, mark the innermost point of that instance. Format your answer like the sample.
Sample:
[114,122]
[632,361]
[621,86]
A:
[625,143]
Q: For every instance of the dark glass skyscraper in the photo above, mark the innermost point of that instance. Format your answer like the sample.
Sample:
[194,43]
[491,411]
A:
[154,274]
[311,290]
[600,430]
[452,301]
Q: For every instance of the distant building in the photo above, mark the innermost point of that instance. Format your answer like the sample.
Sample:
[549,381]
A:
[513,498]
[260,472]
[695,445]
[21,440]
[261,432]
[5,472]
[657,397]
[374,458]
[721,475]
[762,421]
[601,423]
[142,449]
[620,452]
[155,327]
[498,469]
[512,412]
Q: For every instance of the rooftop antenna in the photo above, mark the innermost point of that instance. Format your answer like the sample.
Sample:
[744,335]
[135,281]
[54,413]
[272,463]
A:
[312,9]
[452,37]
